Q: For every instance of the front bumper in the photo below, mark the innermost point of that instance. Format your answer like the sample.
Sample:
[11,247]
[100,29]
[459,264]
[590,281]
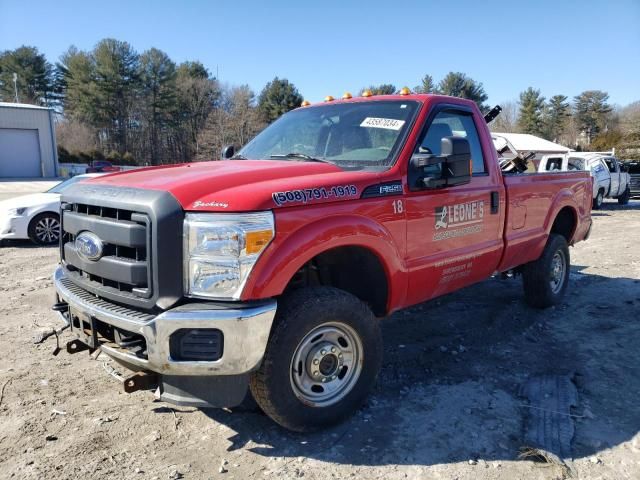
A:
[245,331]
[13,227]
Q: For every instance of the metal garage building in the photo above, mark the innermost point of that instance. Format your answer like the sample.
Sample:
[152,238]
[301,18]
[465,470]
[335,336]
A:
[27,142]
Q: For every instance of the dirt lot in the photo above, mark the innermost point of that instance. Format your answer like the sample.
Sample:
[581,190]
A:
[446,405]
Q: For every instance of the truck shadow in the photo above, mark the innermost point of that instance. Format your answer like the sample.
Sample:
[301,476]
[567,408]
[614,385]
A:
[448,391]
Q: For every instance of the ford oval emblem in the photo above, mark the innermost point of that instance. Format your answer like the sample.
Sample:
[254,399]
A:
[89,246]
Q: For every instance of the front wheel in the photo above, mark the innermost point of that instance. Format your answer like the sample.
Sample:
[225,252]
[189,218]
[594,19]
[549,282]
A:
[44,229]
[625,197]
[545,280]
[597,202]
[323,357]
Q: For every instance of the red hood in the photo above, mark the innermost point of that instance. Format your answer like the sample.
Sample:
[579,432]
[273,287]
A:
[245,185]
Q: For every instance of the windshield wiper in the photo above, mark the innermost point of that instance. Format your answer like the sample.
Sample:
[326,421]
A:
[238,157]
[303,156]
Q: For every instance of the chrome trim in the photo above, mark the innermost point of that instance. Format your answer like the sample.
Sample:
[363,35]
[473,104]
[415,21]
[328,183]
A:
[246,332]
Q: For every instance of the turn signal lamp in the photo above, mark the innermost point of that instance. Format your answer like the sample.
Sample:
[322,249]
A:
[257,240]
[305,103]
[329,98]
[347,96]
[405,91]
[367,93]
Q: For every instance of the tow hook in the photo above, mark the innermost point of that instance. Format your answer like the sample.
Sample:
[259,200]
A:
[75,346]
[140,381]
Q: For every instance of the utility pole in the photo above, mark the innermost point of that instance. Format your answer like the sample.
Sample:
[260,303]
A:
[15,85]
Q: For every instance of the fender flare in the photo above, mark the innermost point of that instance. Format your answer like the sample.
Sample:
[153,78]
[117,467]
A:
[283,259]
[564,198]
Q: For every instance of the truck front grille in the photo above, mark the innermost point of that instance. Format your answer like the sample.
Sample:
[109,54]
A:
[139,233]
[123,268]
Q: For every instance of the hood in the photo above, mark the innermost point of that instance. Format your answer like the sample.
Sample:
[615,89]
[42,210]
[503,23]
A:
[31,200]
[246,185]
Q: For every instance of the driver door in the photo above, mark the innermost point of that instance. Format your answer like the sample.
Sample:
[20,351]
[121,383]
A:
[454,234]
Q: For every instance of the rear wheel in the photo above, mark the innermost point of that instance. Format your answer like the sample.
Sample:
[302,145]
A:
[597,202]
[545,280]
[624,198]
[322,359]
[44,229]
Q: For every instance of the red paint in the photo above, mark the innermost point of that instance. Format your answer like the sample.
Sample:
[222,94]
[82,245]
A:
[417,266]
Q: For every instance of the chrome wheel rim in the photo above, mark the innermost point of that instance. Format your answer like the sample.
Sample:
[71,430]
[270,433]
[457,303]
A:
[558,271]
[326,364]
[47,230]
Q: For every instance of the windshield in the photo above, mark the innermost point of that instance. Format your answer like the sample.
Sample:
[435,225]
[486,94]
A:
[359,134]
[61,187]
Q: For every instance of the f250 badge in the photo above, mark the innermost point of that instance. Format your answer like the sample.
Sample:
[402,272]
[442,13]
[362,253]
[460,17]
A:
[453,221]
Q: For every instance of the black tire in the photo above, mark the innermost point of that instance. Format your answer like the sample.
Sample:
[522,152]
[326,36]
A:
[597,202]
[44,229]
[541,290]
[299,314]
[625,197]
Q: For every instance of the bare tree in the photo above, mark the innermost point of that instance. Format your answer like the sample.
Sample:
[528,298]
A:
[507,121]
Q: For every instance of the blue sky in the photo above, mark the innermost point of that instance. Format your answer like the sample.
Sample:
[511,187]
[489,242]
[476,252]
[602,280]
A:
[328,47]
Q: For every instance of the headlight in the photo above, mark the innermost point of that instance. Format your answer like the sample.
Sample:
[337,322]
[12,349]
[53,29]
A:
[16,212]
[220,251]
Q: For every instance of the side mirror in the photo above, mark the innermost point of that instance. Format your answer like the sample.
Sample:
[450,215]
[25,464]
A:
[228,151]
[454,164]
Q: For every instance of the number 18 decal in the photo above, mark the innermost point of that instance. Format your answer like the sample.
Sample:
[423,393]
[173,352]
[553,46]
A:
[398,206]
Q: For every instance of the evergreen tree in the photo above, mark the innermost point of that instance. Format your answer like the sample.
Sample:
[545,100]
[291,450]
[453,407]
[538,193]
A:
[555,118]
[457,84]
[531,112]
[75,83]
[116,83]
[592,111]
[278,97]
[34,80]
[382,89]
[158,92]
[427,85]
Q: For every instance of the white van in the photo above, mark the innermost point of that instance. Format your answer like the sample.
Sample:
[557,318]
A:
[609,180]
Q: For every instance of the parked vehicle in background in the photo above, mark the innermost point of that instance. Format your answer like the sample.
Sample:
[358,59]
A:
[633,169]
[102,166]
[35,216]
[266,271]
[609,178]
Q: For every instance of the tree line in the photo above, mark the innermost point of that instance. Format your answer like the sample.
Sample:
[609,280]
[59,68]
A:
[144,108]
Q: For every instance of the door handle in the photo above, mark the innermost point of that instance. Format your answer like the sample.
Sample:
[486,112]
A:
[495,202]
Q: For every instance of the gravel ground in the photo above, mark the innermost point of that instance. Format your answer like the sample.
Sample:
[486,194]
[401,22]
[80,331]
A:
[446,405]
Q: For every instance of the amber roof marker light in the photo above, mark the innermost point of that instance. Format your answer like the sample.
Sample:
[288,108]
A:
[405,91]
[347,96]
[329,98]
[305,103]
[367,93]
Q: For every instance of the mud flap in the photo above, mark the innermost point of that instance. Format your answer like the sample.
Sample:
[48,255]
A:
[204,391]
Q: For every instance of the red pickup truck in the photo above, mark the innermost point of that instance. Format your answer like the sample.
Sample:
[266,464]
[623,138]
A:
[267,271]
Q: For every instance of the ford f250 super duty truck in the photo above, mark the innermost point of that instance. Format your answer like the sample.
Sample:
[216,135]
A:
[266,271]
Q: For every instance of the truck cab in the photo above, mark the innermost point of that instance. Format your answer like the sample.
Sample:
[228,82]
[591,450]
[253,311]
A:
[267,272]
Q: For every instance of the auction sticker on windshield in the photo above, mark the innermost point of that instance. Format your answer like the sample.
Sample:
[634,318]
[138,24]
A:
[388,123]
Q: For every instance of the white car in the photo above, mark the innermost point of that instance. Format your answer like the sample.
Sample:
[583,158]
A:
[35,216]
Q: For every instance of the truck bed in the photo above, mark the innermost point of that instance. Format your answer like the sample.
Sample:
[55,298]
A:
[533,200]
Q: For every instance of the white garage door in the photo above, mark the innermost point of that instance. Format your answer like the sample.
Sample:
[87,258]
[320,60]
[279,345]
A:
[19,153]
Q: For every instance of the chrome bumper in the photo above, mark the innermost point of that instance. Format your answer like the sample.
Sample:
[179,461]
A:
[245,331]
